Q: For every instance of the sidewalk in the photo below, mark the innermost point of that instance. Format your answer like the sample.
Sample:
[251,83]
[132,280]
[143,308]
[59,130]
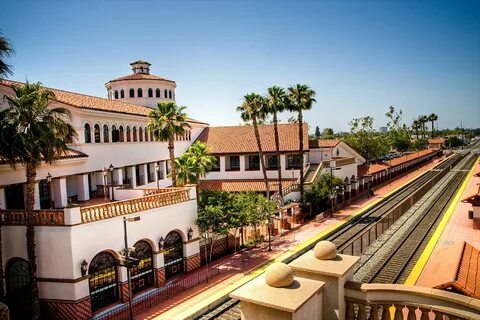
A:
[243,266]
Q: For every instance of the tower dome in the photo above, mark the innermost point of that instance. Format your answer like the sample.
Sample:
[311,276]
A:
[140,87]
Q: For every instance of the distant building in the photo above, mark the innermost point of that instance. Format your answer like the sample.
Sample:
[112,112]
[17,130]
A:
[383,129]
[435,143]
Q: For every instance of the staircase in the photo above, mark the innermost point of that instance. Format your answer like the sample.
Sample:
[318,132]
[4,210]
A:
[311,173]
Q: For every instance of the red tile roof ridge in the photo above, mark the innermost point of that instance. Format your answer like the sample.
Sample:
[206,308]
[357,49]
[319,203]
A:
[139,76]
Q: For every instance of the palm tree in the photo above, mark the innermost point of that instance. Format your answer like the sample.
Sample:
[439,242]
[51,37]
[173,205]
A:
[6,50]
[31,132]
[253,109]
[432,118]
[416,126]
[184,169]
[276,102]
[423,120]
[165,122]
[301,98]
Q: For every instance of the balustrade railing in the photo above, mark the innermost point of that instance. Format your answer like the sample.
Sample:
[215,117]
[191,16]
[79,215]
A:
[120,208]
[389,302]
[40,217]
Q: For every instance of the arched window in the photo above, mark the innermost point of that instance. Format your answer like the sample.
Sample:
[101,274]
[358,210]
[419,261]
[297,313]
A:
[134,134]
[18,280]
[142,275]
[150,92]
[129,138]
[157,93]
[146,134]
[169,94]
[105,134]
[132,93]
[115,134]
[139,93]
[120,134]
[87,132]
[165,93]
[116,94]
[103,280]
[173,254]
[140,134]
[96,133]
[122,94]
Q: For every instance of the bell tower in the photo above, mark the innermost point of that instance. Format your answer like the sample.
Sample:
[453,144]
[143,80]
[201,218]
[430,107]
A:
[140,66]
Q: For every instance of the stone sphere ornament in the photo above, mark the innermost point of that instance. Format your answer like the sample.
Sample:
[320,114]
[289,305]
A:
[279,275]
[325,250]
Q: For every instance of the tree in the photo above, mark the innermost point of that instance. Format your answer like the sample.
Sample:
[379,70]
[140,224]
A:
[398,135]
[211,223]
[415,127]
[6,50]
[328,133]
[422,120]
[300,98]
[165,122]
[275,103]
[292,119]
[420,144]
[32,133]
[252,109]
[432,118]
[185,170]
[365,140]
[317,132]
[453,142]
[318,195]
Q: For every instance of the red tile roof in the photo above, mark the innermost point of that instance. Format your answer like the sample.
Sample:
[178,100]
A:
[70,154]
[436,141]
[140,76]
[243,185]
[468,275]
[323,143]
[84,101]
[241,139]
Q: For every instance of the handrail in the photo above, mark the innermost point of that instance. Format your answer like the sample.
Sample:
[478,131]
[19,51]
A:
[124,207]
[40,217]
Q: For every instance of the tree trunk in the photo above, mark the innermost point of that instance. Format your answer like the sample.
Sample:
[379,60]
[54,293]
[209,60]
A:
[416,132]
[277,147]
[2,283]
[260,154]
[198,185]
[31,174]
[300,136]
[173,167]
[433,128]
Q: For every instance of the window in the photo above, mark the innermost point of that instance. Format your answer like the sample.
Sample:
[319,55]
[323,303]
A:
[96,133]
[216,167]
[150,92]
[120,134]
[122,94]
[165,93]
[157,93]
[140,134]
[173,255]
[105,134]
[253,162]
[146,134]
[116,94]
[161,174]
[132,93]
[139,93]
[134,134]
[272,161]
[142,274]
[293,161]
[87,133]
[115,134]
[18,278]
[169,94]
[103,280]
[234,163]
[129,138]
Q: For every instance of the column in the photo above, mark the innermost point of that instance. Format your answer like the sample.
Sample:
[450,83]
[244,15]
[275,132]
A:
[132,175]
[242,163]
[3,203]
[144,172]
[36,205]
[191,252]
[222,163]
[159,269]
[82,187]
[118,176]
[59,192]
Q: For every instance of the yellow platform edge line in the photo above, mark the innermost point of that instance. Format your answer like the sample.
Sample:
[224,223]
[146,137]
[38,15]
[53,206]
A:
[427,252]
[257,272]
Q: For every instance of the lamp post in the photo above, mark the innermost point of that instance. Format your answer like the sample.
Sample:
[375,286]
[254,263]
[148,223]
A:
[49,180]
[331,186]
[190,234]
[157,170]
[104,173]
[110,168]
[83,267]
[368,178]
[127,254]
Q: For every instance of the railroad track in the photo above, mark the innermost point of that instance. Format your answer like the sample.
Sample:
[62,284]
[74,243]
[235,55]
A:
[397,263]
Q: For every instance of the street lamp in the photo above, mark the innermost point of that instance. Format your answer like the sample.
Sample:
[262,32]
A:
[129,280]
[157,170]
[110,168]
[49,180]
[83,267]
[161,243]
[104,173]
[190,234]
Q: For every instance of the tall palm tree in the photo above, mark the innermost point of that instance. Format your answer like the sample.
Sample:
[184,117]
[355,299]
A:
[32,133]
[185,173]
[276,102]
[253,109]
[301,97]
[423,120]
[6,50]
[432,118]
[165,122]
[416,126]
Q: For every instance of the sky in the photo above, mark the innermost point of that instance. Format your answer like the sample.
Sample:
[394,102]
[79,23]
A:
[359,56]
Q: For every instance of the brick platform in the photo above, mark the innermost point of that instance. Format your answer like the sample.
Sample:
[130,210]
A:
[69,310]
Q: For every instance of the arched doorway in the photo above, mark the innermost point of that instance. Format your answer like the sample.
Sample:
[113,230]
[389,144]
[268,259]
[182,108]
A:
[173,255]
[18,280]
[142,275]
[103,281]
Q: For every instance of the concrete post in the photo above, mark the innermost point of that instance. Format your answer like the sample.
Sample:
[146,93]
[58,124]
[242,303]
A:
[242,163]
[59,192]
[82,187]
[133,176]
[3,203]
[144,172]
[118,176]
[222,163]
